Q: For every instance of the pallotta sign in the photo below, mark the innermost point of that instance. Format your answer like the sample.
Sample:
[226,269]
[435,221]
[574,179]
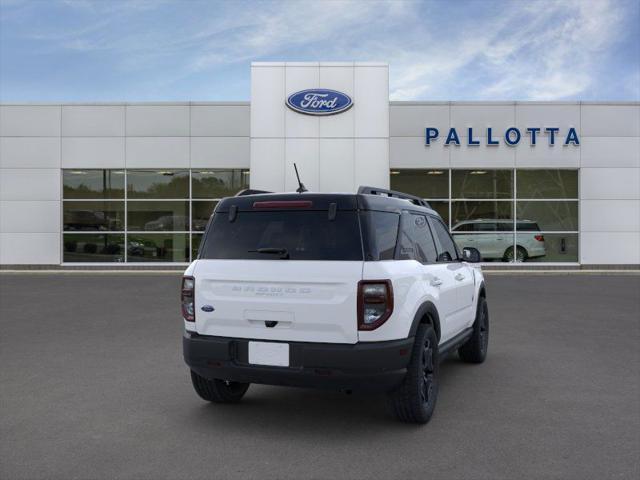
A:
[512,136]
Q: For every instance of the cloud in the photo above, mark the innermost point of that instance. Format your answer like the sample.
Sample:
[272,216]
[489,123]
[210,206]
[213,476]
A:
[539,50]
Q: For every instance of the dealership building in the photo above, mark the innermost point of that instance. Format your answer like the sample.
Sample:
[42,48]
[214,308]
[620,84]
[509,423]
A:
[550,183]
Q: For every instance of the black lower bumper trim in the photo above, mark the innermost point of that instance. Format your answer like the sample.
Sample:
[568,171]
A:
[375,366]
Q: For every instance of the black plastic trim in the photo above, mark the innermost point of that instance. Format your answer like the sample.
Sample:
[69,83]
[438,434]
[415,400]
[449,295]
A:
[364,366]
[426,308]
[453,343]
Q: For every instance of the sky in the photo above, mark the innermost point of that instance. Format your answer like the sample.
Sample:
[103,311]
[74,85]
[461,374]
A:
[150,50]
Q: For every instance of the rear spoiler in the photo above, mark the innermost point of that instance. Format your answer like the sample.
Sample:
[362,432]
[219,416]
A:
[364,190]
[250,191]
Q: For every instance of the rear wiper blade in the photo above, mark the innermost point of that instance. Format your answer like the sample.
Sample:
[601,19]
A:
[284,254]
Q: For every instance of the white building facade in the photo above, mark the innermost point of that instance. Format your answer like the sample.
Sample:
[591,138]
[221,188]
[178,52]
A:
[551,183]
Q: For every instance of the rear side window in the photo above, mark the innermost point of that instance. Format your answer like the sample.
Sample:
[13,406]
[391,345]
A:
[380,234]
[528,227]
[446,247]
[465,227]
[275,235]
[485,227]
[416,242]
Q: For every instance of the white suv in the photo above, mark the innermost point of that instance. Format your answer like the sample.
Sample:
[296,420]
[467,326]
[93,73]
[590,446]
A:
[363,291]
[494,239]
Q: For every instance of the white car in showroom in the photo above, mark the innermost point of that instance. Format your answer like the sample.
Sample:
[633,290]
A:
[494,239]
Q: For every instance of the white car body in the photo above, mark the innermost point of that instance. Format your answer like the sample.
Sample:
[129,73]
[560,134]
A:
[494,238]
[316,301]
[334,291]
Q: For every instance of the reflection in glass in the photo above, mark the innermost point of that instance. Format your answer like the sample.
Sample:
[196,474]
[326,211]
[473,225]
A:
[200,212]
[433,183]
[493,246]
[78,247]
[218,183]
[158,184]
[157,216]
[442,208]
[482,183]
[94,215]
[547,183]
[554,215]
[487,211]
[196,238]
[158,247]
[548,247]
[89,184]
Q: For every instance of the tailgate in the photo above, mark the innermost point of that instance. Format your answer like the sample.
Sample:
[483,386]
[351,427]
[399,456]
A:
[304,301]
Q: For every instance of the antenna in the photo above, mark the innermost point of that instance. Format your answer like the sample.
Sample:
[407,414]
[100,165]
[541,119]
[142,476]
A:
[301,187]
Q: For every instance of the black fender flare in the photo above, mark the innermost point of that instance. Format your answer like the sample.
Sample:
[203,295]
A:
[482,291]
[426,310]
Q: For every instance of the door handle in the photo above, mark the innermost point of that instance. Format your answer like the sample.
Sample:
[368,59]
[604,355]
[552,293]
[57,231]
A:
[436,282]
[459,277]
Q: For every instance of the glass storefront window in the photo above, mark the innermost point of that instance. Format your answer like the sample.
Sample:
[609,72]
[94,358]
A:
[427,184]
[158,184]
[494,246]
[218,183]
[93,184]
[79,247]
[200,213]
[196,239]
[91,216]
[547,184]
[442,208]
[547,247]
[158,247]
[559,216]
[483,211]
[158,216]
[482,184]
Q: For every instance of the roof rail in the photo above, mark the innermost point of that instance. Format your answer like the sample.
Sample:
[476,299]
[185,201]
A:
[392,193]
[249,191]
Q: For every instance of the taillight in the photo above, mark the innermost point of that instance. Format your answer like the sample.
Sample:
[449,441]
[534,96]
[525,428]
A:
[187,299]
[539,238]
[375,303]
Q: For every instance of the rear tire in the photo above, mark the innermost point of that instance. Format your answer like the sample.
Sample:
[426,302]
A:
[475,349]
[218,391]
[521,255]
[415,399]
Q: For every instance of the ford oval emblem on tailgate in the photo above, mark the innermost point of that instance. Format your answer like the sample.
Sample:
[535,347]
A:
[207,308]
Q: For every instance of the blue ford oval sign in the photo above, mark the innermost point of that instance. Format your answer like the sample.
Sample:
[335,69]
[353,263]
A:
[319,101]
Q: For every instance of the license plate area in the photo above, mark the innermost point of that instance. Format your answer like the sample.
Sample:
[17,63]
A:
[269,353]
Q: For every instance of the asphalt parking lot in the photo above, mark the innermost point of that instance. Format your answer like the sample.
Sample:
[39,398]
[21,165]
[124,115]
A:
[92,385]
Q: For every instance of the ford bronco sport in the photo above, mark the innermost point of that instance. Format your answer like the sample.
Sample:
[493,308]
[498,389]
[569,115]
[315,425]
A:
[354,292]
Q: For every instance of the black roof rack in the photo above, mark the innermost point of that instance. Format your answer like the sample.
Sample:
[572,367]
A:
[249,191]
[392,193]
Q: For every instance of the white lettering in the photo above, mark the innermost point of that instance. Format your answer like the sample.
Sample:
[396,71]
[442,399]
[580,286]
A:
[317,101]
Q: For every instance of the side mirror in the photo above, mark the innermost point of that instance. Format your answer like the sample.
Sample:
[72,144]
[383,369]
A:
[471,255]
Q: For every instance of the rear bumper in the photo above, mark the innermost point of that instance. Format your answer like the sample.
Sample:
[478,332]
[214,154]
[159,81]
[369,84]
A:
[376,366]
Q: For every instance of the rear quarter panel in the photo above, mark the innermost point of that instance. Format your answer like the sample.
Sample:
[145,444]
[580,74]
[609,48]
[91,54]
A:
[409,292]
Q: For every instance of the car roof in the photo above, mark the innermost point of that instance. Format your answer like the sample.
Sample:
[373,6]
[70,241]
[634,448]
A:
[321,201]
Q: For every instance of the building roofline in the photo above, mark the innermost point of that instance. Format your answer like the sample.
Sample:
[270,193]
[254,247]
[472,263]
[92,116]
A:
[125,104]
[394,103]
[513,102]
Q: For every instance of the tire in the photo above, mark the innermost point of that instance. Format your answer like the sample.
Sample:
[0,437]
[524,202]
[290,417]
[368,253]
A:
[475,349]
[218,391]
[521,255]
[415,399]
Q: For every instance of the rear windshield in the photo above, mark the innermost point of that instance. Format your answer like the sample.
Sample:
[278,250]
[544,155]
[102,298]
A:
[277,235]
